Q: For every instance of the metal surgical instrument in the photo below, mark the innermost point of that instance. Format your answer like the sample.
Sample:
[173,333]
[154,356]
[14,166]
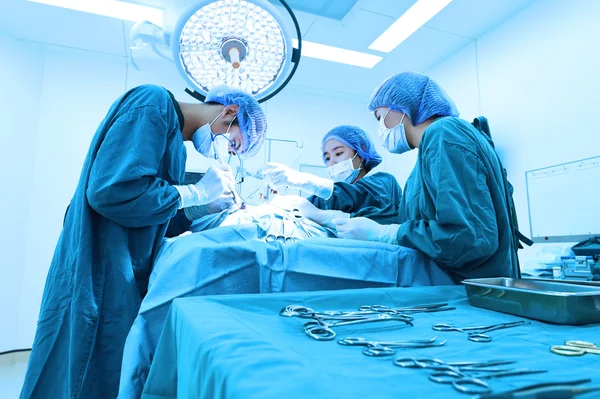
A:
[434,307]
[575,348]
[465,377]
[478,334]
[321,324]
[281,237]
[544,390]
[385,348]
[469,380]
[321,330]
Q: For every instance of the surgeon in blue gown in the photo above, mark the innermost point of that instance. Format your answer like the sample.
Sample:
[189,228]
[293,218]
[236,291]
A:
[354,190]
[457,206]
[129,189]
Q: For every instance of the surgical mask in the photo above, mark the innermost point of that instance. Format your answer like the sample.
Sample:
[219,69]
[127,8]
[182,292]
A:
[203,139]
[394,139]
[344,171]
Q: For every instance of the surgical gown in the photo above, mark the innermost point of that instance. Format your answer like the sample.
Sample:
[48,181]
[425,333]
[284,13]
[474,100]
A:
[455,207]
[104,255]
[376,196]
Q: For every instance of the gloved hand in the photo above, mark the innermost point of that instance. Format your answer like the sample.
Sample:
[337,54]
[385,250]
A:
[225,202]
[319,216]
[216,182]
[366,230]
[280,176]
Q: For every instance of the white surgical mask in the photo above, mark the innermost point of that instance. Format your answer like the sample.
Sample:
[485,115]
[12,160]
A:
[394,139]
[203,139]
[344,171]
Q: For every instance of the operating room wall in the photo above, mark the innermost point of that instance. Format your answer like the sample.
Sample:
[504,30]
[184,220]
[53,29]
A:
[20,82]
[536,79]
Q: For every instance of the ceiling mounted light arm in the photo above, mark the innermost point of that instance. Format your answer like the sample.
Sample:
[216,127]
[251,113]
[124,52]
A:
[240,43]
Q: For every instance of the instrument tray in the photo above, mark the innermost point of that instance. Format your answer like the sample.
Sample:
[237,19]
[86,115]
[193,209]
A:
[550,301]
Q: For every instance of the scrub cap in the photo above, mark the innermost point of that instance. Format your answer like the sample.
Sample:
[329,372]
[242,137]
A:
[415,95]
[357,139]
[250,116]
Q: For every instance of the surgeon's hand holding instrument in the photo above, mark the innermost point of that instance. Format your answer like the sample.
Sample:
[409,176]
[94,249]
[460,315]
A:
[217,181]
[281,176]
[478,334]
[575,348]
[322,217]
[219,205]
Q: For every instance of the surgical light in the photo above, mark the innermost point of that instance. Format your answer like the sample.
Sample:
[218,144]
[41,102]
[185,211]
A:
[110,8]
[415,17]
[241,43]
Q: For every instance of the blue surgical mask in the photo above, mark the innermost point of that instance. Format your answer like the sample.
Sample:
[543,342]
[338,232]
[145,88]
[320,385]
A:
[344,171]
[203,139]
[394,139]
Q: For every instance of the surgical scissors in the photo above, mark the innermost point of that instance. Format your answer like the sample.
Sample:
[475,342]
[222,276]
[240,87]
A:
[478,334]
[457,373]
[575,348]
[385,348]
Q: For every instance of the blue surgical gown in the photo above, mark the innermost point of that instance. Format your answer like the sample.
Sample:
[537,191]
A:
[103,259]
[456,206]
[376,196]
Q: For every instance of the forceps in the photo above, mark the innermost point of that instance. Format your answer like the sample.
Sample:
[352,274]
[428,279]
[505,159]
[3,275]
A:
[457,373]
[575,348]
[281,237]
[320,328]
[378,349]
[469,379]
[434,307]
[478,334]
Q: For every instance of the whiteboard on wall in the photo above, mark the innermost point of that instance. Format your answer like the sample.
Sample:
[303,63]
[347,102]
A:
[564,201]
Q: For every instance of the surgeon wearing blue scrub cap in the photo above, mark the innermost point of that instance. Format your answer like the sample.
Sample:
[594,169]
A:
[456,206]
[130,188]
[353,188]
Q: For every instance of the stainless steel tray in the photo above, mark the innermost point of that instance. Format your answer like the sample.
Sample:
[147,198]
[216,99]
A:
[580,282]
[554,302]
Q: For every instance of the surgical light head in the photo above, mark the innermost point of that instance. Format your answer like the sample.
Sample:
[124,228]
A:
[240,43]
[357,139]
[414,94]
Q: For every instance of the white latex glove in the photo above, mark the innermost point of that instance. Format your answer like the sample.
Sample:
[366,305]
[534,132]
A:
[225,202]
[216,182]
[319,216]
[366,230]
[280,176]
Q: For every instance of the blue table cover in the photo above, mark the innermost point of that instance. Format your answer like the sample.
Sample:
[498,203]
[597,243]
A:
[237,346]
[231,260]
